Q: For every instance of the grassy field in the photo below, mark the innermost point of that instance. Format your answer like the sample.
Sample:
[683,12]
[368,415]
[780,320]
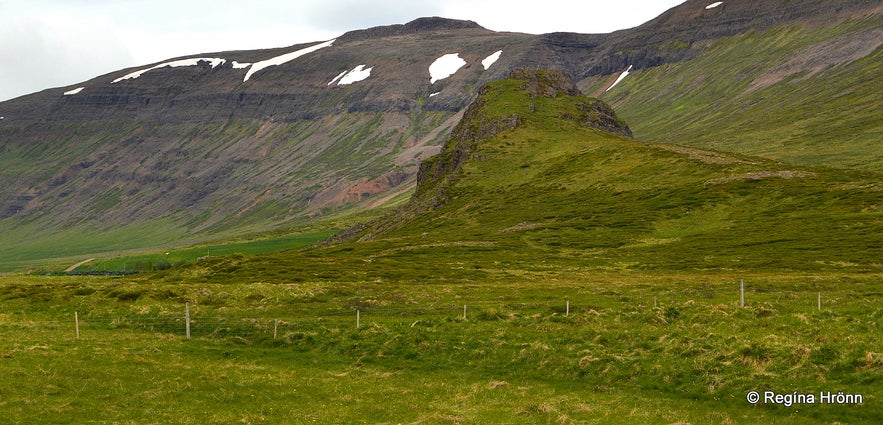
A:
[633,348]
[183,255]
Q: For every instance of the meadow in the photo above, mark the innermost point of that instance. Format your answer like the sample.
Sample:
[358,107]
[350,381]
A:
[569,347]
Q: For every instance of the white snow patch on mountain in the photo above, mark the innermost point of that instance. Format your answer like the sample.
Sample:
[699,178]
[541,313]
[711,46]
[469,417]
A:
[358,73]
[237,65]
[488,61]
[621,76]
[173,64]
[279,60]
[445,66]
[334,80]
[434,94]
[713,5]
[74,91]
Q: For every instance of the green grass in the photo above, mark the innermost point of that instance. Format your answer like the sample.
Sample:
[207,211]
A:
[516,358]
[182,255]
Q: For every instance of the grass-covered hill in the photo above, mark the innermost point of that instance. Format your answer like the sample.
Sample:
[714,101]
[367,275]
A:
[532,178]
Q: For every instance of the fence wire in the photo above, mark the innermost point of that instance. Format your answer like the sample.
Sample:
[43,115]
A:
[353,314]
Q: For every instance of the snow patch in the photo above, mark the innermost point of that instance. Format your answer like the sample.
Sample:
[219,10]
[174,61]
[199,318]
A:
[173,64]
[237,65]
[342,73]
[445,66]
[621,76]
[279,60]
[434,94]
[713,5]
[488,61]
[74,91]
[358,73]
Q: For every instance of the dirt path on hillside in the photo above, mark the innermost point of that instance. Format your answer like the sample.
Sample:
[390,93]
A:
[74,267]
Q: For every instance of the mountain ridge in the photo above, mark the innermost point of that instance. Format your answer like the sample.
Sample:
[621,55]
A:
[190,152]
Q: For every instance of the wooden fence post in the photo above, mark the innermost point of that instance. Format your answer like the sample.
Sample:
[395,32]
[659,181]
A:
[741,292]
[567,309]
[358,318]
[77,323]
[187,318]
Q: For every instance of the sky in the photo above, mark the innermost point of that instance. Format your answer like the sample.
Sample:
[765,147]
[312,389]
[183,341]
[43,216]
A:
[57,43]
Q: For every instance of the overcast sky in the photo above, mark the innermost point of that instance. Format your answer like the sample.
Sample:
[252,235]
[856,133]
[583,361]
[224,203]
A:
[54,43]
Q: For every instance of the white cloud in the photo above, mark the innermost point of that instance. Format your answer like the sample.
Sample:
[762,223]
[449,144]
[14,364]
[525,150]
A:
[39,53]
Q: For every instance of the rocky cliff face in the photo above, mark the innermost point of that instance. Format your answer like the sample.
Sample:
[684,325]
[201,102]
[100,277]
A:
[480,124]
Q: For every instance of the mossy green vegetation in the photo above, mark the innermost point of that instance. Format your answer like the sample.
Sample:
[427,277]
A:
[552,191]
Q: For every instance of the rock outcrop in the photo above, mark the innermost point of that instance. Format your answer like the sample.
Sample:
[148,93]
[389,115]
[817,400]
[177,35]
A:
[480,124]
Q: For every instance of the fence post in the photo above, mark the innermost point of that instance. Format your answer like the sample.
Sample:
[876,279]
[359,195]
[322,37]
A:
[77,323]
[741,292]
[187,318]
[567,309]
[464,311]
[275,327]
[820,302]
[358,318]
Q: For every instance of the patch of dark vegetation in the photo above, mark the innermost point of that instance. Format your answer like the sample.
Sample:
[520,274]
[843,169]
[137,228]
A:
[125,295]
[99,273]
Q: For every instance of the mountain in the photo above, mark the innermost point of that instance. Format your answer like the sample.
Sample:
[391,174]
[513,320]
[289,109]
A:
[223,143]
[539,180]
[804,92]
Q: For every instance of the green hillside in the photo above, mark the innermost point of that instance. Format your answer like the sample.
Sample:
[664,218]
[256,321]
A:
[805,94]
[124,186]
[553,192]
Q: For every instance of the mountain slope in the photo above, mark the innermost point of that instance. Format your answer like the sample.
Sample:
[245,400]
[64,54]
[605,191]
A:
[552,192]
[804,93]
[229,142]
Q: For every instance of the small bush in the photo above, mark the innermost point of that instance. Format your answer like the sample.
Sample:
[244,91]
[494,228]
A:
[84,291]
[124,295]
